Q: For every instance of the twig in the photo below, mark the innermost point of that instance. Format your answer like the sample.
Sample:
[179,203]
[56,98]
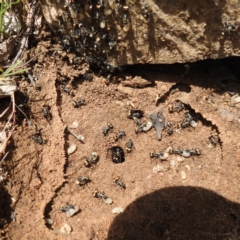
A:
[3,158]
[26,35]
[2,114]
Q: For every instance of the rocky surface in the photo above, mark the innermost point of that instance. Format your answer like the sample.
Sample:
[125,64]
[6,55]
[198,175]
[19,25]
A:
[150,31]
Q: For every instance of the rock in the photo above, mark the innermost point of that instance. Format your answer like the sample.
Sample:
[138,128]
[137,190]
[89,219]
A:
[159,168]
[183,175]
[151,31]
[72,149]
[117,210]
[188,167]
[137,81]
[74,124]
[65,228]
[49,221]
[108,201]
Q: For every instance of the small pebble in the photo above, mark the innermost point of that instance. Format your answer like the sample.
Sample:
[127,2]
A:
[210,146]
[159,168]
[164,156]
[108,201]
[235,99]
[188,167]
[65,228]
[180,159]
[183,175]
[148,126]
[107,11]
[168,149]
[49,221]
[130,104]
[117,210]
[172,163]
[193,124]
[119,103]
[71,149]
[74,124]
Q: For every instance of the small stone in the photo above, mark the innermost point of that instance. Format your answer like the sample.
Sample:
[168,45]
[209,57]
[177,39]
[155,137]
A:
[193,124]
[119,103]
[168,149]
[74,124]
[147,127]
[164,156]
[235,99]
[117,210]
[49,221]
[65,228]
[188,167]
[149,177]
[71,149]
[159,168]
[172,163]
[211,146]
[183,175]
[180,159]
[108,201]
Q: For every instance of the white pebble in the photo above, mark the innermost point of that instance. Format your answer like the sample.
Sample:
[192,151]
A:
[178,130]
[183,175]
[164,156]
[193,124]
[148,127]
[149,177]
[211,146]
[130,103]
[159,168]
[126,27]
[71,149]
[107,11]
[74,124]
[102,24]
[235,99]
[117,210]
[108,201]
[168,149]
[81,138]
[119,103]
[172,163]
[188,167]
[65,228]
[180,159]
[49,221]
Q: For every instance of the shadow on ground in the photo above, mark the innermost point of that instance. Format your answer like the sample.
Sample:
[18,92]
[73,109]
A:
[178,213]
[224,74]
[6,210]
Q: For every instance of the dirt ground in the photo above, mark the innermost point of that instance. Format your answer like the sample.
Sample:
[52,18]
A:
[186,198]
